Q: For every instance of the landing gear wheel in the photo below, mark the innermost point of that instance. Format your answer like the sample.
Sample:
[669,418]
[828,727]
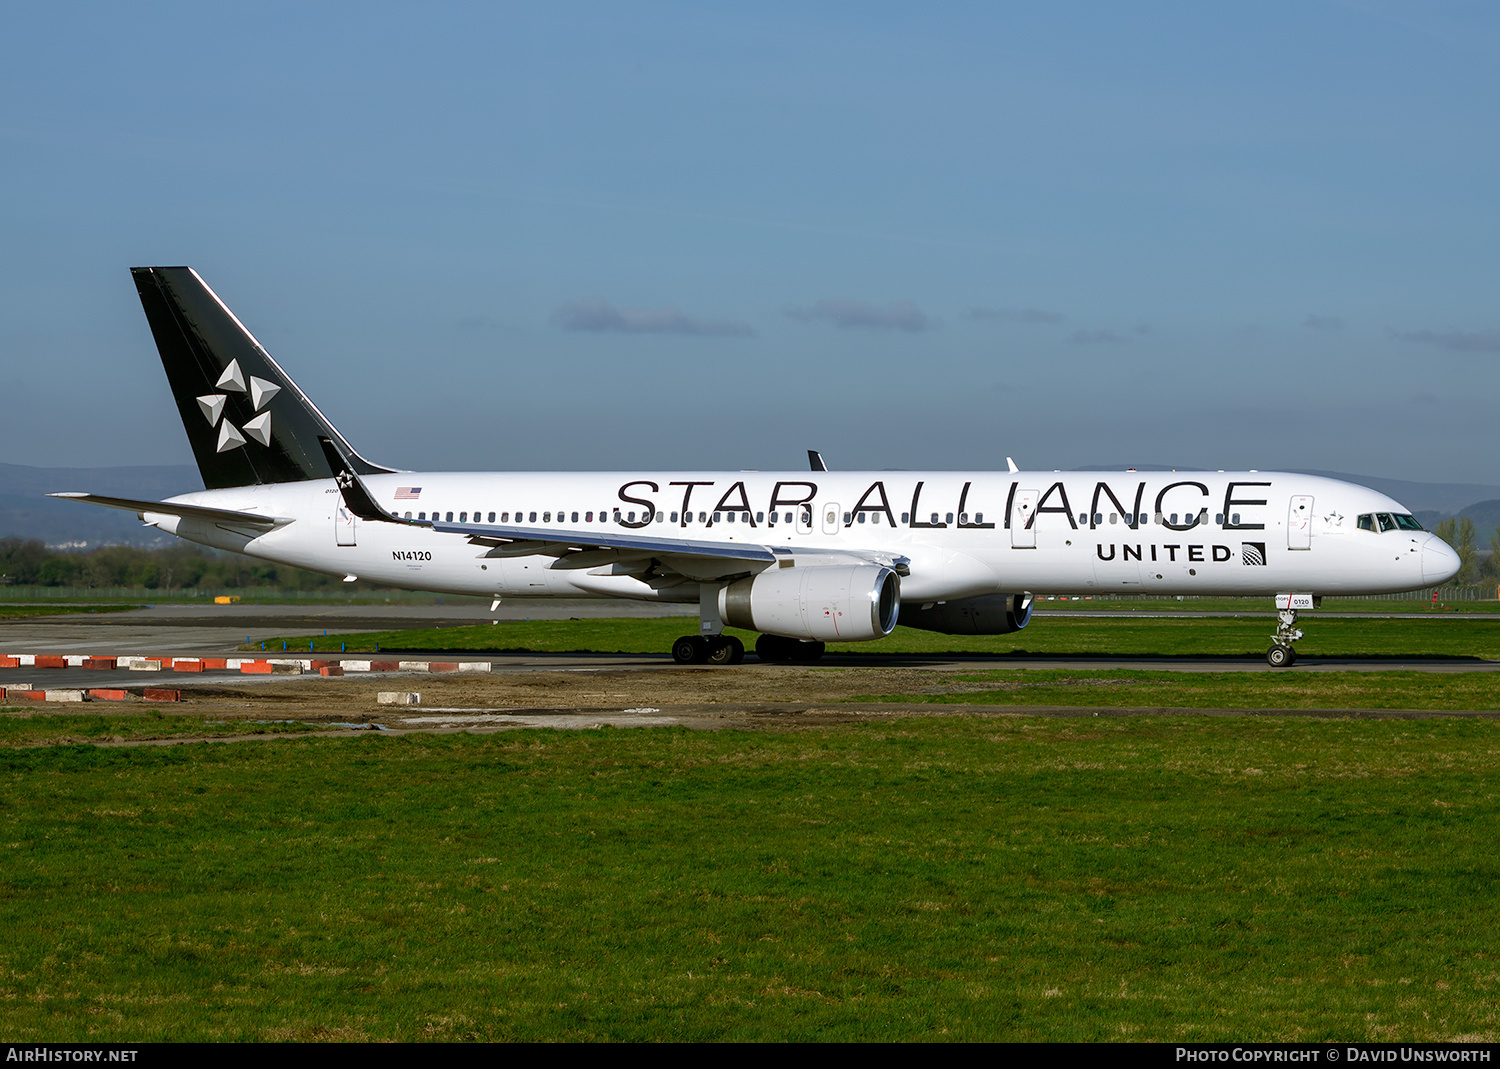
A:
[1281,657]
[725,649]
[773,649]
[690,649]
[807,652]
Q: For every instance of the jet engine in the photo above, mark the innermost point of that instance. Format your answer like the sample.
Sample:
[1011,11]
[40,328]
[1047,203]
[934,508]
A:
[990,614]
[820,603]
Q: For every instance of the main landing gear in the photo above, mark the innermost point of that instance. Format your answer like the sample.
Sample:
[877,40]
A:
[726,649]
[778,650]
[708,649]
[712,646]
[1281,654]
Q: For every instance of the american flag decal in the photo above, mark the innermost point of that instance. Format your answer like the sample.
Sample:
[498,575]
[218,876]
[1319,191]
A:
[408,493]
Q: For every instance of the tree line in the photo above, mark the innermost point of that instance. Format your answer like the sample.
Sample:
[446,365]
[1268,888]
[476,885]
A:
[28,562]
[1459,532]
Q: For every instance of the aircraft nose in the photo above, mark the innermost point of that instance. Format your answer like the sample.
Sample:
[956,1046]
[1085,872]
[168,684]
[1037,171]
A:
[1439,562]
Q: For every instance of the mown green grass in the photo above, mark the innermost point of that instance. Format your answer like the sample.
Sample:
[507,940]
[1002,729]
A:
[13,611]
[1130,688]
[28,727]
[1439,636]
[965,878]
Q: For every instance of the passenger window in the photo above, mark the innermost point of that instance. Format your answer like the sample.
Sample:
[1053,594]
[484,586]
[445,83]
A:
[1234,518]
[421,515]
[979,517]
[848,518]
[1114,517]
[760,517]
[745,516]
[906,517]
[492,518]
[702,517]
[408,516]
[729,517]
[546,517]
[575,518]
[533,518]
[1174,517]
[718,517]
[950,517]
[463,517]
[934,517]
[1098,518]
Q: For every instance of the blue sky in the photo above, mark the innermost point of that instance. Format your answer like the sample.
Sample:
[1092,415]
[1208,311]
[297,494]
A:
[713,236]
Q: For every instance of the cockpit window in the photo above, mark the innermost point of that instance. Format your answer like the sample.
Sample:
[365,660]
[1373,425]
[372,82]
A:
[1408,523]
[1387,521]
[1367,522]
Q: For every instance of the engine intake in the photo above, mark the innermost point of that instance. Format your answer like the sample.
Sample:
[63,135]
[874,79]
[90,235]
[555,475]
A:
[989,614]
[833,603]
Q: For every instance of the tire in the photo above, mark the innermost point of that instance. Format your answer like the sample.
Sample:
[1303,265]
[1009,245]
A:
[773,649]
[1280,656]
[690,649]
[725,649]
[807,652]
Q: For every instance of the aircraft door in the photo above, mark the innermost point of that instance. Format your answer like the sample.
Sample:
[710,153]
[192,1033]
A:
[830,517]
[1299,522]
[1023,519]
[343,526]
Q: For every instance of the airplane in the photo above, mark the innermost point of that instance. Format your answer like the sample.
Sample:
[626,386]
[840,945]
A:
[803,558]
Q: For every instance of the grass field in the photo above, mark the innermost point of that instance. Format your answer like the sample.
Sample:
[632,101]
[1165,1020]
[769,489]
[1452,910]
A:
[1172,879]
[9,612]
[1425,636]
[1131,688]
[31,727]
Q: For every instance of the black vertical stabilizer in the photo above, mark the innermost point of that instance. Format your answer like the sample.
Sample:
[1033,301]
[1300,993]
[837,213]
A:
[246,419]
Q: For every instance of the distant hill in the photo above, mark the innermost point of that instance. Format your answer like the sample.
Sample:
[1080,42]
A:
[26,511]
[1486,517]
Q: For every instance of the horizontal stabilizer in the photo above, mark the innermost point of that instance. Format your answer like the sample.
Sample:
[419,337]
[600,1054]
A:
[168,508]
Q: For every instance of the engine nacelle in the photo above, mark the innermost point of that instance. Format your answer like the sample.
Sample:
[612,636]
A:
[833,603]
[990,614]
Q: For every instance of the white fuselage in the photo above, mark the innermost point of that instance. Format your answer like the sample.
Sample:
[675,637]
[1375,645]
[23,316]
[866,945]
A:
[963,534]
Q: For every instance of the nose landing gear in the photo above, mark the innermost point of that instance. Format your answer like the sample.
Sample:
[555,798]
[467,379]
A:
[1281,654]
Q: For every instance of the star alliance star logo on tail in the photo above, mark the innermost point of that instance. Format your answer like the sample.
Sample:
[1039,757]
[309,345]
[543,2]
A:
[258,427]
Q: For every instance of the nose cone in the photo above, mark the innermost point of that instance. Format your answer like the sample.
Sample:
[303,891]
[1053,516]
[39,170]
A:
[1439,562]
